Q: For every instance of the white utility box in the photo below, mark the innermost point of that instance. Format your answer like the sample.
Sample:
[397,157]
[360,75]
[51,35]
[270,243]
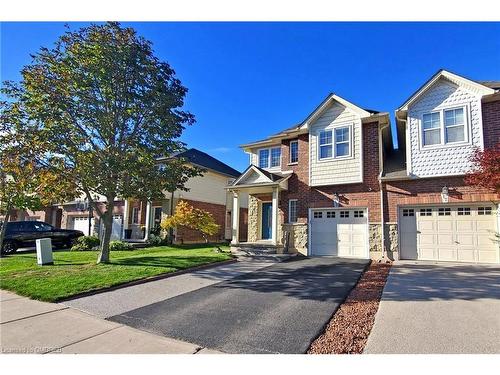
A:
[44,251]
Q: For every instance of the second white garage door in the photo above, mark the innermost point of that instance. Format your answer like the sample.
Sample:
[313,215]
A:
[339,232]
[449,233]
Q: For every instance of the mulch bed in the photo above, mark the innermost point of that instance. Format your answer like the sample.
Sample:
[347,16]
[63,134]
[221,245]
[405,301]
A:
[348,330]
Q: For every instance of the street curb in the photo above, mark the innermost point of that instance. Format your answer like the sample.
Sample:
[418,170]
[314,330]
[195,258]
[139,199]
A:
[145,280]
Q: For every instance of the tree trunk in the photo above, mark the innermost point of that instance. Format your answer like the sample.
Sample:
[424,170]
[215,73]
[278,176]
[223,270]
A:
[2,230]
[107,219]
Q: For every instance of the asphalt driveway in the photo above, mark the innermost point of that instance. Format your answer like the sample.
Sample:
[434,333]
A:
[278,309]
[438,308]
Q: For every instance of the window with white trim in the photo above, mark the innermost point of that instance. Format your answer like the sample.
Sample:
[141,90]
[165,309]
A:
[294,152]
[292,211]
[335,143]
[454,125]
[264,158]
[270,157]
[445,126]
[135,215]
[325,144]
[342,142]
[431,126]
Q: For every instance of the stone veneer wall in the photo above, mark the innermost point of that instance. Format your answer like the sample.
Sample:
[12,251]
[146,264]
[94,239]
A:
[253,219]
[298,237]
[392,240]
[375,240]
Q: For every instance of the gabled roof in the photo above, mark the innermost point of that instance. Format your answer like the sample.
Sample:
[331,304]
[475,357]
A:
[267,177]
[312,116]
[204,160]
[452,77]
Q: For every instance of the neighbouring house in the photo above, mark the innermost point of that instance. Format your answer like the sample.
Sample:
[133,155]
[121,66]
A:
[314,188]
[431,214]
[134,219]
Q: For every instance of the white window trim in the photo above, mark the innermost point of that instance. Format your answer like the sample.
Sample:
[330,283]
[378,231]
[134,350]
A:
[442,127]
[138,217]
[269,158]
[334,143]
[290,210]
[290,162]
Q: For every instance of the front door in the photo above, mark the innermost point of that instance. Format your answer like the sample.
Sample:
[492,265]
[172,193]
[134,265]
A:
[266,220]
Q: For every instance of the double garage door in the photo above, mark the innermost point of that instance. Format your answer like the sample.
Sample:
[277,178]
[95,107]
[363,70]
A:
[82,223]
[339,232]
[449,233]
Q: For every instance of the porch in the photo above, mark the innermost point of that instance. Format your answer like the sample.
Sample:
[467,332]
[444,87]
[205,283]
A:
[264,221]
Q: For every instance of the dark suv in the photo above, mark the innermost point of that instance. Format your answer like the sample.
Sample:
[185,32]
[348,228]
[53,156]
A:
[24,233]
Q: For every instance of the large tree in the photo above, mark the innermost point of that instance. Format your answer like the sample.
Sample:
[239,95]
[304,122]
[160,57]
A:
[99,109]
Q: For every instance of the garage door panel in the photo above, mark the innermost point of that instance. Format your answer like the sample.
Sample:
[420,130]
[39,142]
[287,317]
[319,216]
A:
[450,233]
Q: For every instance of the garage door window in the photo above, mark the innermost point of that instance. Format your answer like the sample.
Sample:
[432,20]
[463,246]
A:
[444,211]
[358,213]
[484,211]
[463,211]
[318,215]
[426,212]
[330,214]
[344,214]
[408,212]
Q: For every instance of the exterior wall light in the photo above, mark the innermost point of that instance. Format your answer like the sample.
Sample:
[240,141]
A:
[444,194]
[336,200]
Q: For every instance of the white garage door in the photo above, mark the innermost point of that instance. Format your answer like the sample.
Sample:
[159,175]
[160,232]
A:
[339,232]
[116,231]
[82,223]
[449,233]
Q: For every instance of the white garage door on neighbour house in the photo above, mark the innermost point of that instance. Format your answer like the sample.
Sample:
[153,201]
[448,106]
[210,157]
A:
[339,232]
[82,223]
[449,233]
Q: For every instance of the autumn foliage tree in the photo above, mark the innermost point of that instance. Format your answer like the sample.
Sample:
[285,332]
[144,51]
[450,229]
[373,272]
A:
[193,218]
[98,110]
[486,173]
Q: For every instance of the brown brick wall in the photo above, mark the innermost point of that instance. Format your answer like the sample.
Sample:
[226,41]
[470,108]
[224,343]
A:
[365,194]
[491,123]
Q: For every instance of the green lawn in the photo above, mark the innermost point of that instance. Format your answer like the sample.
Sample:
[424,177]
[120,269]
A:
[76,272]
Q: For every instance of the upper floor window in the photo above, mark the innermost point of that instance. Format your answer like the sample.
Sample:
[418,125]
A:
[336,143]
[270,158]
[264,158]
[455,125]
[444,127]
[432,128]
[325,144]
[294,151]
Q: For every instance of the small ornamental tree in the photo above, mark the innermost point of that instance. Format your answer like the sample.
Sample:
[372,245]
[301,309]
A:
[193,218]
[98,110]
[487,169]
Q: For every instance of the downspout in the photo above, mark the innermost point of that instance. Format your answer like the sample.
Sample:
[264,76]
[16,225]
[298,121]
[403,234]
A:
[381,187]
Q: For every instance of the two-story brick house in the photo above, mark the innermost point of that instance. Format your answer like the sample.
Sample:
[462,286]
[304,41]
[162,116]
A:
[335,185]
[430,212]
[314,188]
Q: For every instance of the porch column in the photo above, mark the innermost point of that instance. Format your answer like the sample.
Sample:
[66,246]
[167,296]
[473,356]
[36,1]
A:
[274,213]
[236,219]
[126,209]
[148,220]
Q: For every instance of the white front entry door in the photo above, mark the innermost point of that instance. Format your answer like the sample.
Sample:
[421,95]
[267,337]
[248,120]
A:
[339,232]
[449,233]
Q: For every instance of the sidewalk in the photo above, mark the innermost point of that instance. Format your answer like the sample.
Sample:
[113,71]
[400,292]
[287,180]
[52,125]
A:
[28,326]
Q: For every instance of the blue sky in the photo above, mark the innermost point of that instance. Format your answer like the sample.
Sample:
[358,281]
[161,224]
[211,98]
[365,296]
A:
[249,80]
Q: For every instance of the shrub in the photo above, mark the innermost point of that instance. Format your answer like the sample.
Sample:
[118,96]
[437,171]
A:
[86,243]
[119,246]
[155,240]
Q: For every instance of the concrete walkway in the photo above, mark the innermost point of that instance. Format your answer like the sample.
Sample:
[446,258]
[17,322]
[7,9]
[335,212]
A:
[28,326]
[439,308]
[118,301]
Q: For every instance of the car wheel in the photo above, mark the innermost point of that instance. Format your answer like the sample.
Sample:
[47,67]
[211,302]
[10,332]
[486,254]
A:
[9,247]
